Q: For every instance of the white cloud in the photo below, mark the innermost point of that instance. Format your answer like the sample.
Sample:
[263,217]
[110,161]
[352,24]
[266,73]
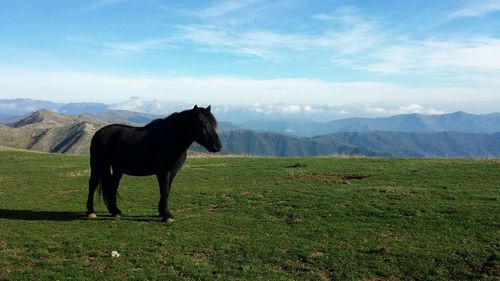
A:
[160,107]
[403,109]
[279,108]
[415,108]
[68,86]
[478,54]
[293,108]
[375,110]
[283,108]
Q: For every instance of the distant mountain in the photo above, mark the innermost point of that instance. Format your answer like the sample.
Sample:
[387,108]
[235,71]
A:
[12,107]
[12,110]
[458,121]
[225,126]
[82,108]
[48,131]
[124,116]
[22,106]
[402,144]
[272,144]
[139,118]
[44,130]
[46,117]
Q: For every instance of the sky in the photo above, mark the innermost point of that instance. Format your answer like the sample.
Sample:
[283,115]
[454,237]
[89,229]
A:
[334,58]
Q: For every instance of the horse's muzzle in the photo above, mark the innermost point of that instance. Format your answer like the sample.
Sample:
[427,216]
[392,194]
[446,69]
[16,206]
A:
[216,148]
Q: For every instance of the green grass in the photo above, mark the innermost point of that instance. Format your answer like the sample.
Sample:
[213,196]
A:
[256,219]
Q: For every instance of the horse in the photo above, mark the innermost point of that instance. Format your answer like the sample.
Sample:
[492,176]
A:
[159,148]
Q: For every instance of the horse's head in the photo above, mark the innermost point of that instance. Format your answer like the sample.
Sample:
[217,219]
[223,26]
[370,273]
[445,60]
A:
[204,129]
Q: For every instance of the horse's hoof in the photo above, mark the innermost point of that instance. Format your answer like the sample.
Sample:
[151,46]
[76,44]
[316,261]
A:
[117,216]
[169,221]
[91,216]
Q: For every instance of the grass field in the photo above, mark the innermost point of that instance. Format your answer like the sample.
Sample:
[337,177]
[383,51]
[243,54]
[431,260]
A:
[248,218]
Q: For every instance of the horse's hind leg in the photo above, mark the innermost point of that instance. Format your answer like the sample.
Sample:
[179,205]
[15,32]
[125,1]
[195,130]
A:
[115,182]
[93,183]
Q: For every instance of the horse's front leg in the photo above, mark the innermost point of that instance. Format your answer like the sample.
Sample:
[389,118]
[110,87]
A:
[164,183]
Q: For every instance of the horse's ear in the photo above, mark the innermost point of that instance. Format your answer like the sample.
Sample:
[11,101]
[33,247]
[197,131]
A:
[195,107]
[209,108]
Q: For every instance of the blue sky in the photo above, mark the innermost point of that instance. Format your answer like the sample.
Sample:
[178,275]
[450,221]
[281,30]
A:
[289,57]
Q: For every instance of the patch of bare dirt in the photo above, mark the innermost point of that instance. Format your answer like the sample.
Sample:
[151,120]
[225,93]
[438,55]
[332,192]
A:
[328,178]
[199,258]
[296,165]
[65,192]
[78,174]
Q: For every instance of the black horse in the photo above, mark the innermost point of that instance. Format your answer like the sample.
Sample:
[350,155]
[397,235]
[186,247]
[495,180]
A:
[159,148]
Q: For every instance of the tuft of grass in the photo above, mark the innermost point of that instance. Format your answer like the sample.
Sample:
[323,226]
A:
[252,218]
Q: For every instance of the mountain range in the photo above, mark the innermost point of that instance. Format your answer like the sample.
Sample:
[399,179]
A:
[457,122]
[45,130]
[12,110]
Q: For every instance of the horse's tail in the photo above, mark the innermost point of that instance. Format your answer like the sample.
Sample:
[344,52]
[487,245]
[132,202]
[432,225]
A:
[104,186]
[101,171]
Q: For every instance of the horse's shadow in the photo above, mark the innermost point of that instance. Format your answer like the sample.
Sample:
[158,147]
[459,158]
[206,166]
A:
[30,215]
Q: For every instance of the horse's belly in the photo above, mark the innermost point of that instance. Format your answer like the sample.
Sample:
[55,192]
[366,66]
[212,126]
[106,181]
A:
[138,173]
[135,168]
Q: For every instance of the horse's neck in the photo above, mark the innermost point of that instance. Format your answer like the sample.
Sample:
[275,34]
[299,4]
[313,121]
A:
[179,138]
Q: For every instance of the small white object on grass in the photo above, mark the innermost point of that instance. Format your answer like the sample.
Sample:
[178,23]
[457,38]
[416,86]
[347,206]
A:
[115,254]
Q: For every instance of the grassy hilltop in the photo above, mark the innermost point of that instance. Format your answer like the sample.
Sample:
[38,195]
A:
[256,219]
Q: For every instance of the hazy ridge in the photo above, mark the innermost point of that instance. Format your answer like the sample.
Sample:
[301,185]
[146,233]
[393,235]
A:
[45,130]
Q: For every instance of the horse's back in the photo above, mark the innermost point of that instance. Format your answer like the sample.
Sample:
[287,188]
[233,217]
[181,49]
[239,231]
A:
[114,136]
[124,147]
[114,133]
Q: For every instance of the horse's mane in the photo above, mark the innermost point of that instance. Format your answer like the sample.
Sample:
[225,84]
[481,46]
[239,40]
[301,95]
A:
[180,116]
[211,118]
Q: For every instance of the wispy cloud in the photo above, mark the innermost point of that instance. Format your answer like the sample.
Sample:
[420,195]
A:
[263,44]
[475,8]
[345,37]
[345,31]
[97,4]
[475,54]
[224,7]
[126,47]
[348,32]
[351,40]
